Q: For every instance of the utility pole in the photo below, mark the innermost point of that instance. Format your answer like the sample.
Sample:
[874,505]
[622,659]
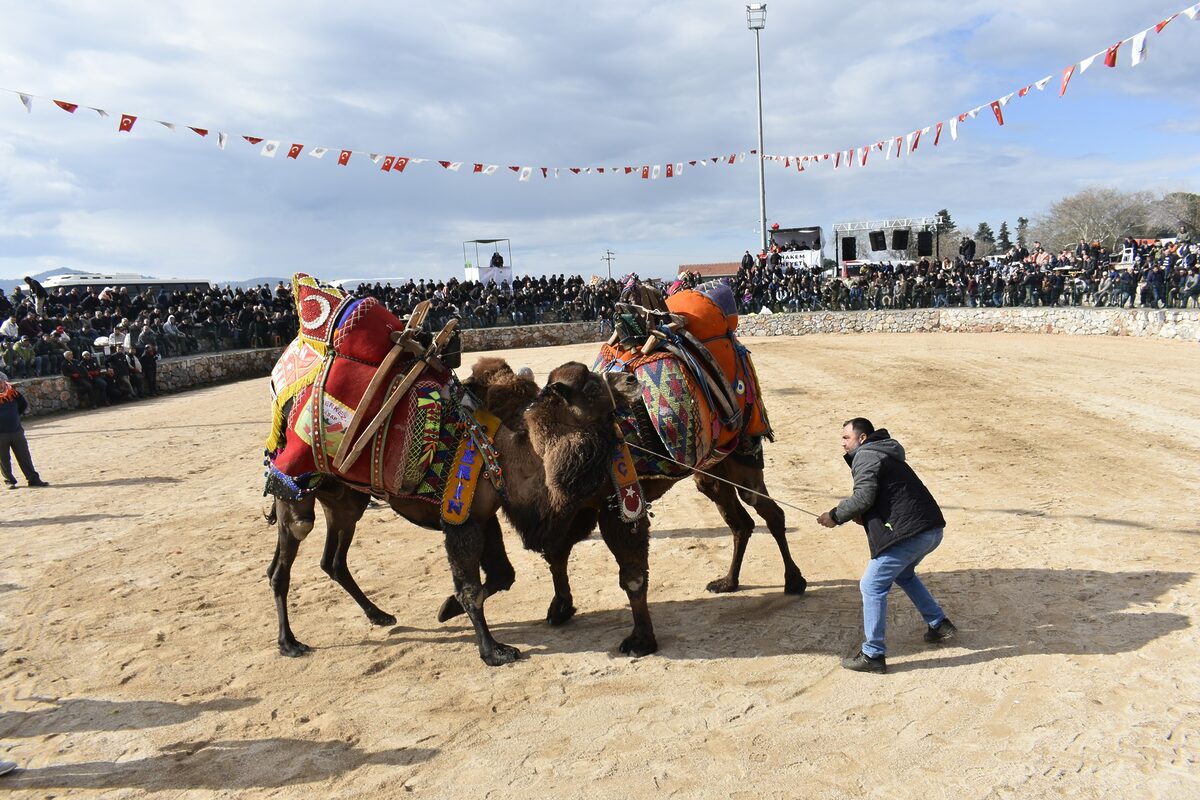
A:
[608,256]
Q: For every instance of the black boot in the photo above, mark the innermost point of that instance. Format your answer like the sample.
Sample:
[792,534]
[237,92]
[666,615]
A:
[942,632]
[861,662]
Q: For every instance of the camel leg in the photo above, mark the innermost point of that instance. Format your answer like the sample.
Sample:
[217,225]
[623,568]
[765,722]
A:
[342,514]
[562,607]
[464,549]
[740,525]
[497,569]
[772,514]
[295,521]
[630,545]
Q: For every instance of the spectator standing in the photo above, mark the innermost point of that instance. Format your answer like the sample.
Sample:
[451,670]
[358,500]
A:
[12,437]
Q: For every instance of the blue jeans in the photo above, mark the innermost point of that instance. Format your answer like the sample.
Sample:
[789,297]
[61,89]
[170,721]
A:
[897,565]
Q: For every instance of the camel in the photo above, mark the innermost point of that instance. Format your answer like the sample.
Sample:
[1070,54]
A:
[555,464]
[565,386]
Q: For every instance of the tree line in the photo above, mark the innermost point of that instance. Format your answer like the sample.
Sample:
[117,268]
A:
[1098,215]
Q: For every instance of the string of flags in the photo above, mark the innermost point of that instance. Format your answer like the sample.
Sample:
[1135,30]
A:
[907,143]
[269,148]
[903,144]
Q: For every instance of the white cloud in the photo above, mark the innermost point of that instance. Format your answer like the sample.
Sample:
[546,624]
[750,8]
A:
[527,83]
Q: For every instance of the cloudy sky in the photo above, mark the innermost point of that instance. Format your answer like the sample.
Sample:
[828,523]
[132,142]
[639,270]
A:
[551,84]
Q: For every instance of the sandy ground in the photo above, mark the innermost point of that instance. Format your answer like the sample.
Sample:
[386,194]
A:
[138,630]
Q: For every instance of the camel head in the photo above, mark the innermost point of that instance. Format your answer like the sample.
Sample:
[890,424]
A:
[571,429]
[503,392]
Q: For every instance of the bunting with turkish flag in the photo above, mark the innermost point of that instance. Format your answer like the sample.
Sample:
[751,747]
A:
[1066,79]
[127,121]
[401,163]
[65,106]
[344,158]
[1110,56]
[295,150]
[996,110]
[199,131]
[388,161]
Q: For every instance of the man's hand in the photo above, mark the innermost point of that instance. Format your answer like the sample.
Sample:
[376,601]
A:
[826,519]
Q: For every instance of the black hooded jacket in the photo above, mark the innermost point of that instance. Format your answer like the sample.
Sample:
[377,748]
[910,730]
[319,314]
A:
[888,496]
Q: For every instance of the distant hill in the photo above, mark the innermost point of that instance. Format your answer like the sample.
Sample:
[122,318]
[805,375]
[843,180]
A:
[249,282]
[8,284]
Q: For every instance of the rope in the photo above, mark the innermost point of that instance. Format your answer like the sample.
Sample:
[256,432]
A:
[719,478]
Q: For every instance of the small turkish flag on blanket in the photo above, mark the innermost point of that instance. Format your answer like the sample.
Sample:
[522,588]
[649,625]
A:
[344,158]
[127,121]
[295,150]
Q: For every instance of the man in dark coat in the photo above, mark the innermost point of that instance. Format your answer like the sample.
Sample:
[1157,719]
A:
[12,437]
[903,524]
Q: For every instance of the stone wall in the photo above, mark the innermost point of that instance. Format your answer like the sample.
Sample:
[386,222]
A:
[511,338]
[1163,324]
[48,395]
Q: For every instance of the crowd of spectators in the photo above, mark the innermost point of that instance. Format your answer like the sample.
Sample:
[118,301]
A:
[109,341]
[1158,275]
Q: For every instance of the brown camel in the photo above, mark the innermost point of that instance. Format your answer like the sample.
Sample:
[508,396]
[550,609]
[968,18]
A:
[573,385]
[569,432]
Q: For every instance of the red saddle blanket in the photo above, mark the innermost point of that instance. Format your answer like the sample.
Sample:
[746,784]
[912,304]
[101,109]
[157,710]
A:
[678,399]
[324,374]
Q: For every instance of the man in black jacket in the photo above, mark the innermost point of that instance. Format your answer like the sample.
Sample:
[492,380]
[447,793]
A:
[903,523]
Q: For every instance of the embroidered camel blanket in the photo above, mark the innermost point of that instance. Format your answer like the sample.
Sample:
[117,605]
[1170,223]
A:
[695,426]
[324,374]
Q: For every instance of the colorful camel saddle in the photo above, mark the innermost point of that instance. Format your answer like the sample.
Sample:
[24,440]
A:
[698,385]
[357,398]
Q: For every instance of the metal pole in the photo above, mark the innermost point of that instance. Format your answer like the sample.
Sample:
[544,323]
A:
[762,190]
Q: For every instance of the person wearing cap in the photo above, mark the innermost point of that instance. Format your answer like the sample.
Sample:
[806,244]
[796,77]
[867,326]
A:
[12,437]
[903,524]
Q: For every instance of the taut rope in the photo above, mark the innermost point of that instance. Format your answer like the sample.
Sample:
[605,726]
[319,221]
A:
[719,478]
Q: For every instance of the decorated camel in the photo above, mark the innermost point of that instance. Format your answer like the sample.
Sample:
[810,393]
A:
[362,407]
[686,401]
[555,462]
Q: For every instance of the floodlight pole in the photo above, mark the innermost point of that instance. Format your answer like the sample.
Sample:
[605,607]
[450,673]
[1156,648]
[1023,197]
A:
[608,256]
[756,20]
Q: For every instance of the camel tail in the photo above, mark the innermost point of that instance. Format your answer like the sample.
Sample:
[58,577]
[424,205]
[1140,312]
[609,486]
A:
[270,515]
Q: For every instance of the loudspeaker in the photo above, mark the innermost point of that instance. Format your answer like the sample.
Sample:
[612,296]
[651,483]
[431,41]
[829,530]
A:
[878,240]
[924,243]
[900,239]
[849,248]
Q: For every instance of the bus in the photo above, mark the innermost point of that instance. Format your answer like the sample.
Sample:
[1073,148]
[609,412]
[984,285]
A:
[136,284]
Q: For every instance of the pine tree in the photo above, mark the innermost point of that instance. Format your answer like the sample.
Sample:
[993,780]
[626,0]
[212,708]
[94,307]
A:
[984,234]
[1023,231]
[1003,243]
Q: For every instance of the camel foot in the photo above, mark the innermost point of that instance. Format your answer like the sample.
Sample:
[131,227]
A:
[560,612]
[637,644]
[380,617]
[294,649]
[723,585]
[500,655]
[450,609]
[794,584]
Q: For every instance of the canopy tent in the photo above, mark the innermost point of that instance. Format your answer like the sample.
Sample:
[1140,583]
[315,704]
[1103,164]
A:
[477,271]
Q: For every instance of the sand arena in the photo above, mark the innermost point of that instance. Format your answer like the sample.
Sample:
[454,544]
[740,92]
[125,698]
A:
[138,630]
